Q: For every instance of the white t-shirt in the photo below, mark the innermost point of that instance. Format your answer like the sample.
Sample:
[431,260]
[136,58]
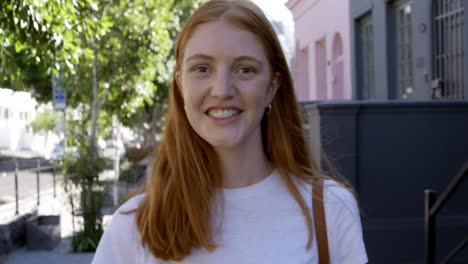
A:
[262,223]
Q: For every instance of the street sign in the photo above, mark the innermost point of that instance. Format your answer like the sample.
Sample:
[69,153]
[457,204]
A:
[59,95]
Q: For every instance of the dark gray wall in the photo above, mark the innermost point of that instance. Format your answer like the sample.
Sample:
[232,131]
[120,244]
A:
[391,152]
[384,42]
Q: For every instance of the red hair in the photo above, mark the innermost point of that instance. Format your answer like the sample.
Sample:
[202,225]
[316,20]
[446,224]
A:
[174,217]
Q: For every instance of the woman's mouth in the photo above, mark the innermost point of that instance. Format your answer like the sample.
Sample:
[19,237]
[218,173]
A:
[223,113]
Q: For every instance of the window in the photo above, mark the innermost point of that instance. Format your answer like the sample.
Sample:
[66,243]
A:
[7,114]
[302,73]
[321,68]
[448,49]
[365,43]
[404,53]
[337,68]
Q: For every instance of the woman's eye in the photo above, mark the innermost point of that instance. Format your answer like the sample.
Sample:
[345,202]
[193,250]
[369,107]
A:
[246,70]
[200,69]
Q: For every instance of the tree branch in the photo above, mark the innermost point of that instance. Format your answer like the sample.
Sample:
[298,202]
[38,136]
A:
[111,79]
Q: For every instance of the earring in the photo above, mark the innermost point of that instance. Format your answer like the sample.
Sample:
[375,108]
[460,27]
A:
[268,110]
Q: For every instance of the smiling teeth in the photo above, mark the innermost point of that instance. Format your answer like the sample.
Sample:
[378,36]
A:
[223,113]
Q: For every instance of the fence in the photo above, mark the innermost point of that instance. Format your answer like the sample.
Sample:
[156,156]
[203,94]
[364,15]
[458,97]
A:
[22,179]
[433,203]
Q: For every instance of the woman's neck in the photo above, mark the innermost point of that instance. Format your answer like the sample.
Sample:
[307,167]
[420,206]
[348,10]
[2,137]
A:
[244,166]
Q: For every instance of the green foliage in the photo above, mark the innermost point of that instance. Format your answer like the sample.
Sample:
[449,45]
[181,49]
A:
[44,36]
[81,174]
[82,166]
[133,40]
[45,122]
[129,45]
[77,127]
[128,172]
[144,112]
[86,242]
[129,55]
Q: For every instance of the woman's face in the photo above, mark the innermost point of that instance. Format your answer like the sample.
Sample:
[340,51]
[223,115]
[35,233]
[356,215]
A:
[226,83]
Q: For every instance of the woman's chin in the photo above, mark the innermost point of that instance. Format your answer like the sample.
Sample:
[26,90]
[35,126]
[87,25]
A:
[223,143]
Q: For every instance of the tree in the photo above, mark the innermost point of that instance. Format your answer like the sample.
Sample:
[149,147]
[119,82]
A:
[114,58]
[39,38]
[45,122]
[149,115]
[43,37]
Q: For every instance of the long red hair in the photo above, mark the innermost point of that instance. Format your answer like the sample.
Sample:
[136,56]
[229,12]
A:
[174,216]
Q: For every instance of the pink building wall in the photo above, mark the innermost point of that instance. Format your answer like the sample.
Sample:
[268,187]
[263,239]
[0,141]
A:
[322,66]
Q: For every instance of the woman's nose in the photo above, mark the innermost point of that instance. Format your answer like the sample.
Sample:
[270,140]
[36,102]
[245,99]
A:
[222,85]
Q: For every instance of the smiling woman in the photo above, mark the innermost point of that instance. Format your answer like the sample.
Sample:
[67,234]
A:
[226,85]
[233,177]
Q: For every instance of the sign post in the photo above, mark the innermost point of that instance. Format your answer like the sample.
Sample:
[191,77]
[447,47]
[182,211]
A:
[60,104]
[59,95]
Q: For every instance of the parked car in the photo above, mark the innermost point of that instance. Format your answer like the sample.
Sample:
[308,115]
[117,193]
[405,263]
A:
[57,152]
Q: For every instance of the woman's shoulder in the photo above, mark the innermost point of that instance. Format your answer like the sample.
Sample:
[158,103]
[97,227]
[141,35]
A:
[124,217]
[339,199]
[334,190]
[121,238]
[131,204]
[344,224]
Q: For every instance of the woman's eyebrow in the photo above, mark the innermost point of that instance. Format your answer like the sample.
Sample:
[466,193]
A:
[248,58]
[199,56]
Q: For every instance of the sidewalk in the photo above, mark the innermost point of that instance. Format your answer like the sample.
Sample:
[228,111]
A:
[59,255]
[62,253]
[20,154]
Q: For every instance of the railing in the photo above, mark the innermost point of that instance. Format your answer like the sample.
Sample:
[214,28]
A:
[37,169]
[432,205]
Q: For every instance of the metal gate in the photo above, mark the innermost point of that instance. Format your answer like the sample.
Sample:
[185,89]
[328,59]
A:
[448,53]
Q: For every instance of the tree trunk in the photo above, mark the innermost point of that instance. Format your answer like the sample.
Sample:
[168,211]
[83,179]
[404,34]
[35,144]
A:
[94,105]
[89,207]
[116,133]
[154,123]
[87,195]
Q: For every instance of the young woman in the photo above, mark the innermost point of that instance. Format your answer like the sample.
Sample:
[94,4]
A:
[233,177]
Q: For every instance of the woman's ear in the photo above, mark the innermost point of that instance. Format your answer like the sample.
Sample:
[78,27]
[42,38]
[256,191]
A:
[178,80]
[275,84]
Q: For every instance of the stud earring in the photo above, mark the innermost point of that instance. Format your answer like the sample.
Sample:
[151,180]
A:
[268,110]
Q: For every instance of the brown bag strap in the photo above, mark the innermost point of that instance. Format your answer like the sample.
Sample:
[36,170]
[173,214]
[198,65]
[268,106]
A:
[319,222]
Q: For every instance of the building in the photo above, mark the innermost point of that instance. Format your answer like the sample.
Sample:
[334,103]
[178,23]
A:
[323,57]
[17,110]
[408,49]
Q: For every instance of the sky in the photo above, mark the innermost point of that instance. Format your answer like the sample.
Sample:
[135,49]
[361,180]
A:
[277,10]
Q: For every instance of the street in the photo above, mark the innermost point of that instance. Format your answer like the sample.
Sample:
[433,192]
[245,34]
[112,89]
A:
[27,185]
[8,164]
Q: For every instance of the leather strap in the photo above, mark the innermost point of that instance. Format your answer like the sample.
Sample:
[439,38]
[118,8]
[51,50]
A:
[319,222]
